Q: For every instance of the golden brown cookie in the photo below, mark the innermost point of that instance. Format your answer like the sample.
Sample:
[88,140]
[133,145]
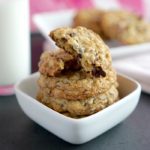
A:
[53,63]
[125,27]
[85,45]
[91,19]
[76,85]
[76,108]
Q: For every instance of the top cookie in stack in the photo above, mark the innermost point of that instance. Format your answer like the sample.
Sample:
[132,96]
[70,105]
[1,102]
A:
[77,79]
[85,46]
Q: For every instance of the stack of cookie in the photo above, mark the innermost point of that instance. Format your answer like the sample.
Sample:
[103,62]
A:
[77,79]
[123,26]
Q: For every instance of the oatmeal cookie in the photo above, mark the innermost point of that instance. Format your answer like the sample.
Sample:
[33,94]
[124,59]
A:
[80,107]
[125,27]
[53,63]
[91,19]
[76,86]
[85,45]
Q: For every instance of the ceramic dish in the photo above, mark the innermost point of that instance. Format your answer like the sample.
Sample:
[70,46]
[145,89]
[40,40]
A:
[47,22]
[77,131]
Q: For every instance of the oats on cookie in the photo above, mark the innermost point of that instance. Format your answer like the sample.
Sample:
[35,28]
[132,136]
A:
[78,108]
[85,45]
[53,63]
[75,85]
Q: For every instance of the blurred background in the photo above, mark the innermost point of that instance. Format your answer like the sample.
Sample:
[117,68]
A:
[139,54]
[37,18]
[139,6]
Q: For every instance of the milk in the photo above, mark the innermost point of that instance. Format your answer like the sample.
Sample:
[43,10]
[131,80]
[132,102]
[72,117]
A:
[14,41]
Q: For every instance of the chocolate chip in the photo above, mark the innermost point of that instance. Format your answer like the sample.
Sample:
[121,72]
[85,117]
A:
[72,34]
[64,39]
[72,65]
[79,56]
[98,71]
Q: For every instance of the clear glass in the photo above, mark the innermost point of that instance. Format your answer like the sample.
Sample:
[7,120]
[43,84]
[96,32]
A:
[14,43]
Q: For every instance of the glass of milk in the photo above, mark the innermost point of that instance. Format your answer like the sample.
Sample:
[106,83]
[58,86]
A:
[14,43]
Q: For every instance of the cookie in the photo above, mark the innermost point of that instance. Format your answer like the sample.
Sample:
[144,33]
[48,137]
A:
[76,85]
[125,27]
[76,108]
[54,63]
[91,19]
[85,45]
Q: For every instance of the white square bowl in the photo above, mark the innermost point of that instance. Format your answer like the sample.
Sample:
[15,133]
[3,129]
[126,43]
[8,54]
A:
[77,131]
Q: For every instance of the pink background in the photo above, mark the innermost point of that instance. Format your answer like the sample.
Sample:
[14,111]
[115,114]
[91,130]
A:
[54,5]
